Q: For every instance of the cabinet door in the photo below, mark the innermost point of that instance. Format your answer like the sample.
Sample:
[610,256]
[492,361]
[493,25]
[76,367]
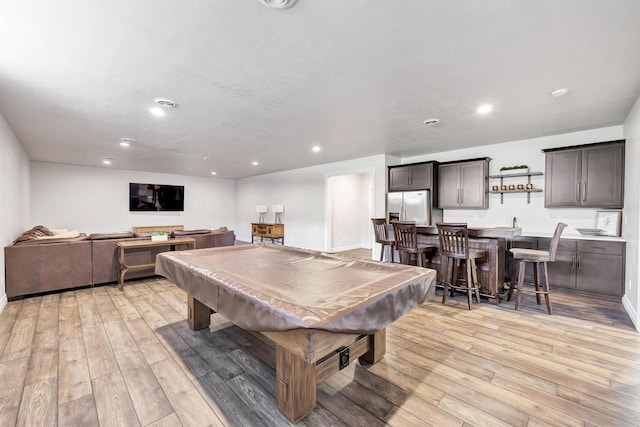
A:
[602,273]
[474,185]
[421,176]
[448,186]
[562,272]
[399,178]
[602,176]
[562,178]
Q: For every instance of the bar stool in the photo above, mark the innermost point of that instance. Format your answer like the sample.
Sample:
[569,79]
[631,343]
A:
[382,237]
[540,259]
[454,245]
[407,243]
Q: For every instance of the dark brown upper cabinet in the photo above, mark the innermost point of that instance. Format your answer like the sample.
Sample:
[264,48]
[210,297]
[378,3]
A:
[590,176]
[417,176]
[464,185]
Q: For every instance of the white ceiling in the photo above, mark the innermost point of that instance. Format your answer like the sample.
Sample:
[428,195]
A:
[356,77]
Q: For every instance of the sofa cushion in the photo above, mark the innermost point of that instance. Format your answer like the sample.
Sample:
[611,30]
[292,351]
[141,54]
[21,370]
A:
[176,233]
[34,242]
[105,236]
[72,233]
[33,234]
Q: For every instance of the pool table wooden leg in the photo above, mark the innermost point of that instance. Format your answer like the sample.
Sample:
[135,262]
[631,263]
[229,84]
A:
[377,348]
[199,314]
[295,384]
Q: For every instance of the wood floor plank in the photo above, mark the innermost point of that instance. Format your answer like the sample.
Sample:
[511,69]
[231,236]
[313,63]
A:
[148,344]
[39,405]
[170,420]
[100,357]
[87,308]
[12,377]
[259,400]
[74,380]
[48,314]
[189,405]
[79,412]
[113,403]
[43,363]
[122,303]
[20,341]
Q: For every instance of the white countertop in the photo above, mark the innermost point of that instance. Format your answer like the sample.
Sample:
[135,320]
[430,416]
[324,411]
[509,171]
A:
[572,234]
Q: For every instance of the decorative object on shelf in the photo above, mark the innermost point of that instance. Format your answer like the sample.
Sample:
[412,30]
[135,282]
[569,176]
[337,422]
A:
[589,231]
[512,187]
[518,172]
[510,170]
[609,222]
[159,236]
[495,188]
[520,186]
[261,209]
[503,187]
[278,210]
[529,186]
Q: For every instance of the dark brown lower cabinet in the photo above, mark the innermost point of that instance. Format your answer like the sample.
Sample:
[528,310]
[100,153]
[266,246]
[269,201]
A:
[592,266]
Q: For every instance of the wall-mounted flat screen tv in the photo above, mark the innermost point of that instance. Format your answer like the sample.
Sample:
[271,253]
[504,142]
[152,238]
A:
[156,197]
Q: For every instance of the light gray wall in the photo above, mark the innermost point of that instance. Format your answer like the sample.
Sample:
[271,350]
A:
[348,196]
[303,193]
[14,194]
[97,199]
[630,230]
[533,217]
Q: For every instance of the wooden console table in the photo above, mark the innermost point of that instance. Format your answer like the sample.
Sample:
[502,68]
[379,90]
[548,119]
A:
[137,244]
[270,231]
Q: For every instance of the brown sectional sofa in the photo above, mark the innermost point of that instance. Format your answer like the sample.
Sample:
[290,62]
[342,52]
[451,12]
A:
[35,266]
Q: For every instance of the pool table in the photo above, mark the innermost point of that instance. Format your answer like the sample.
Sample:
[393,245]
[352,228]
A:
[321,310]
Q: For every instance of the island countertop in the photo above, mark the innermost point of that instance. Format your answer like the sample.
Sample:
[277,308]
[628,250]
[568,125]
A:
[485,232]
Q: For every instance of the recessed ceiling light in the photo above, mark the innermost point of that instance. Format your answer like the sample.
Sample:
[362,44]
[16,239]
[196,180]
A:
[559,92]
[316,149]
[107,161]
[431,122]
[126,142]
[484,109]
[157,111]
[254,163]
[205,158]
[214,173]
[278,4]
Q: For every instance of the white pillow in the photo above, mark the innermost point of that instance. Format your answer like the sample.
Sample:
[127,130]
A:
[68,234]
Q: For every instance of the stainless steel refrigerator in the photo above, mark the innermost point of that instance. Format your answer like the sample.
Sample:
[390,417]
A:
[412,206]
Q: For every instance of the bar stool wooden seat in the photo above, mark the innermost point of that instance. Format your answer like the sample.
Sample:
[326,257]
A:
[382,237]
[454,245]
[407,244]
[539,260]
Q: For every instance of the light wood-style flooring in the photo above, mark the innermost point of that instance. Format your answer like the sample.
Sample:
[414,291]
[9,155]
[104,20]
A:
[99,356]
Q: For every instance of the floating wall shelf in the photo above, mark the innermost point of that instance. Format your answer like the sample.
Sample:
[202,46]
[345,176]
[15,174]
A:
[516,175]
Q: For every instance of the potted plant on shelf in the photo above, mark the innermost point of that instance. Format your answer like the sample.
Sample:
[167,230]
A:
[158,236]
[511,170]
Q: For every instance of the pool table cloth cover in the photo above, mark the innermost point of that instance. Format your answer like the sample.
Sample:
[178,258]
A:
[265,287]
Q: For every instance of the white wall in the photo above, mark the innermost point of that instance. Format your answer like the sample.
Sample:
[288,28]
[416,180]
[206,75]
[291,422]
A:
[303,193]
[630,230]
[533,217]
[97,199]
[14,194]
[348,198]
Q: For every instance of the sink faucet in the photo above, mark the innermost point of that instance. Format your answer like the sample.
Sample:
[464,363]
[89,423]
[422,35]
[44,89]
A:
[515,222]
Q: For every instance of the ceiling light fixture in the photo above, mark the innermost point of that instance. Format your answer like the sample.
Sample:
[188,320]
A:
[127,142]
[214,173]
[254,163]
[431,122]
[107,161]
[484,109]
[166,102]
[558,93]
[278,4]
[316,149]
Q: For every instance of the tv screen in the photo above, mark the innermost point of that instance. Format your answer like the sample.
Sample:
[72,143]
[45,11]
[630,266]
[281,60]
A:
[156,197]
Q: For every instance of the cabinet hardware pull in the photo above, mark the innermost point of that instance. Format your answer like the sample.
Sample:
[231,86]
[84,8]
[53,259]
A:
[598,247]
[584,193]
[578,192]
[461,196]
[578,259]
[573,262]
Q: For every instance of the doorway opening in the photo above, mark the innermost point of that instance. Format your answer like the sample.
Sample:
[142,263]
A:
[349,207]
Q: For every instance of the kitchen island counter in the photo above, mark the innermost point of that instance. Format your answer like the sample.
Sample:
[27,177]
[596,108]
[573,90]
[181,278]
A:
[491,268]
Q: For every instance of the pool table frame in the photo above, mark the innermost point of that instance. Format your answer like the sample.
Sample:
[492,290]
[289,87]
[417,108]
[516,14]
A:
[304,358]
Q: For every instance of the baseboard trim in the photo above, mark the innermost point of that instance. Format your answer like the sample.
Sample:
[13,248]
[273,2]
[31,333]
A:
[3,302]
[348,248]
[633,314]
